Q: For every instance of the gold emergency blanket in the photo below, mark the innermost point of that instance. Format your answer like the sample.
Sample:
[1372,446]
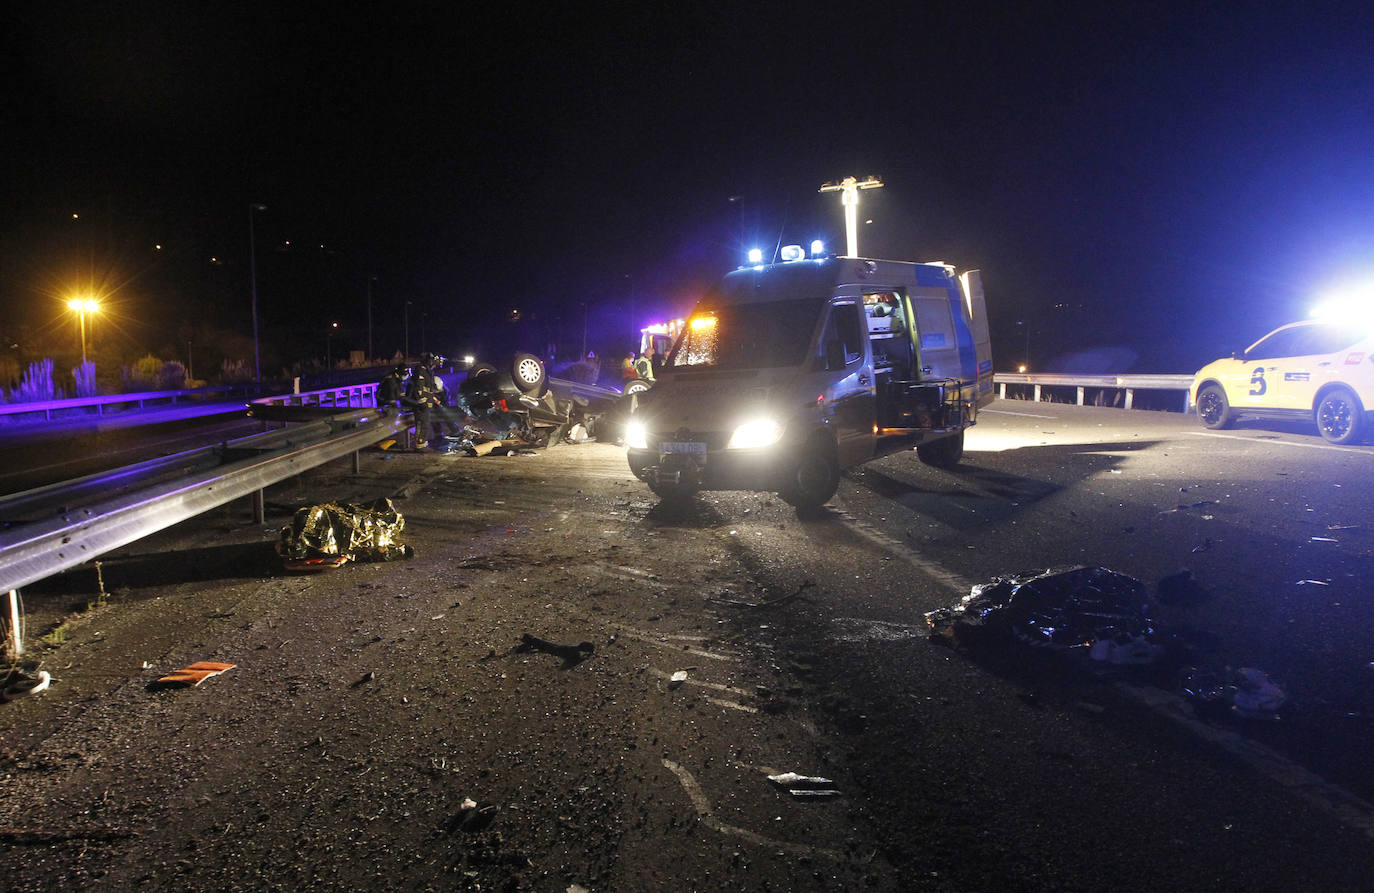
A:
[350,532]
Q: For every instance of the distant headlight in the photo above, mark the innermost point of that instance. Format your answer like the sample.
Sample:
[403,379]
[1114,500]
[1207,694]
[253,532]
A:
[636,437]
[751,435]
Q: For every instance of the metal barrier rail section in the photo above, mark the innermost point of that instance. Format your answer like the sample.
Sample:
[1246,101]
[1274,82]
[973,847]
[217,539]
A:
[171,490]
[141,400]
[1128,383]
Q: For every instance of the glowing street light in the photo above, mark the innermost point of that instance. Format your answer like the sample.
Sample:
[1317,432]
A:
[849,195]
[82,306]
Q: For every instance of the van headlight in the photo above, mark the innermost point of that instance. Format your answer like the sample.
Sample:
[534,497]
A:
[755,434]
[636,436]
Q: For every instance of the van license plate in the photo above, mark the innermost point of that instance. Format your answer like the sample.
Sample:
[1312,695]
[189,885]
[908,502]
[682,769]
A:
[693,449]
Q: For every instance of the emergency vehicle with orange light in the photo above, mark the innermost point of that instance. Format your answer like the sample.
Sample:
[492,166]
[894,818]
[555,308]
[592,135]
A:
[787,373]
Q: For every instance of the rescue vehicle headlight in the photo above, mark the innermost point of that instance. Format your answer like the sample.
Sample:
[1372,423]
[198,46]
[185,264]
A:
[758,433]
[791,253]
[755,255]
[817,248]
[636,436]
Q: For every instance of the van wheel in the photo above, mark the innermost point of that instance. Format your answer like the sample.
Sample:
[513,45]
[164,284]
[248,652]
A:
[1213,408]
[528,373]
[947,452]
[814,479]
[1340,416]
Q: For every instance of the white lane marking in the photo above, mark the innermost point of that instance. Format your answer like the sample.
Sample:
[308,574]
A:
[1344,806]
[1310,446]
[703,808]
[671,646]
[1029,415]
[714,686]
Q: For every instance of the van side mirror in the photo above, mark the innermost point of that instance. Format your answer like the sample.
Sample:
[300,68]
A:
[834,355]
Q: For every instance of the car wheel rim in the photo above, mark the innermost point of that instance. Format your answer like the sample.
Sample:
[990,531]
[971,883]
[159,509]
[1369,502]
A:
[1210,408]
[528,370]
[1335,420]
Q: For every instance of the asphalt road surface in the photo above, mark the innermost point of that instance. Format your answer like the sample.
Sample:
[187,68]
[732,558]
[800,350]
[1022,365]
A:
[387,726]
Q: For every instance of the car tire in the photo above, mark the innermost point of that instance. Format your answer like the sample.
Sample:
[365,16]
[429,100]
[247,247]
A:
[1340,417]
[528,373]
[638,386]
[947,452]
[814,478]
[1213,409]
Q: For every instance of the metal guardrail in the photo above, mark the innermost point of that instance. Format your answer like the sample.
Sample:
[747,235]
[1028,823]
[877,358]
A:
[1128,383]
[352,396]
[100,404]
[39,549]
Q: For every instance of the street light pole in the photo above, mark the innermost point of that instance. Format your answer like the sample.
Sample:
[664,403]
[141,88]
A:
[849,196]
[253,281]
[329,346]
[370,280]
[407,323]
[82,306]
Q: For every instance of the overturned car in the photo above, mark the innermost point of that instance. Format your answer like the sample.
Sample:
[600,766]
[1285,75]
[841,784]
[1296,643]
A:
[518,399]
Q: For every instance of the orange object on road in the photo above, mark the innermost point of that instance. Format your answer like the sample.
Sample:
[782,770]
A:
[196,673]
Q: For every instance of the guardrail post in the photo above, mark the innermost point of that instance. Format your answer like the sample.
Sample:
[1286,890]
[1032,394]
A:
[16,642]
[1080,395]
[357,461]
[1002,390]
[1130,396]
[259,510]
[1037,393]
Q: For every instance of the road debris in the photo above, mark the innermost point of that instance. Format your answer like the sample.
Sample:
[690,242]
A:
[571,654]
[1063,609]
[22,685]
[1247,692]
[328,535]
[196,673]
[805,787]
[676,680]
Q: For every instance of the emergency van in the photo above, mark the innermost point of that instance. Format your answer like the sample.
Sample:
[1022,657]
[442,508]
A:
[785,374]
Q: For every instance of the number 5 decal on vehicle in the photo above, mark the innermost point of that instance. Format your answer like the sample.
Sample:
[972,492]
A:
[1257,385]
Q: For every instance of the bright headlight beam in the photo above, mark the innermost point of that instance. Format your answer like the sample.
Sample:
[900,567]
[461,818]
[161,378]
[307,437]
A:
[636,437]
[755,434]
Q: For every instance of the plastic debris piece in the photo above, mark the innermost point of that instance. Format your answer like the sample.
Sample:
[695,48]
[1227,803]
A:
[805,787]
[1314,582]
[1124,650]
[196,673]
[676,680]
[1324,539]
[794,780]
[323,536]
[24,686]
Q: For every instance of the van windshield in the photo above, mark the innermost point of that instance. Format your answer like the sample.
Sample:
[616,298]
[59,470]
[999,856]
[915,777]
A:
[748,336]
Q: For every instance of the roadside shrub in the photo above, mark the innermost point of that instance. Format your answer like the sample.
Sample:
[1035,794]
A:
[234,372]
[171,377]
[37,384]
[85,379]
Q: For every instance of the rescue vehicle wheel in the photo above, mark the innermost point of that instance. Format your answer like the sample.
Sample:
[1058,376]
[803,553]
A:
[1212,407]
[1339,416]
[814,479]
[946,452]
[638,386]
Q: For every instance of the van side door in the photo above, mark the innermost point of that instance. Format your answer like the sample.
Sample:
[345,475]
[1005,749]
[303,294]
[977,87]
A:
[845,368]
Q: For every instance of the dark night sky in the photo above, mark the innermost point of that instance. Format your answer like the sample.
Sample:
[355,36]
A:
[1177,177]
